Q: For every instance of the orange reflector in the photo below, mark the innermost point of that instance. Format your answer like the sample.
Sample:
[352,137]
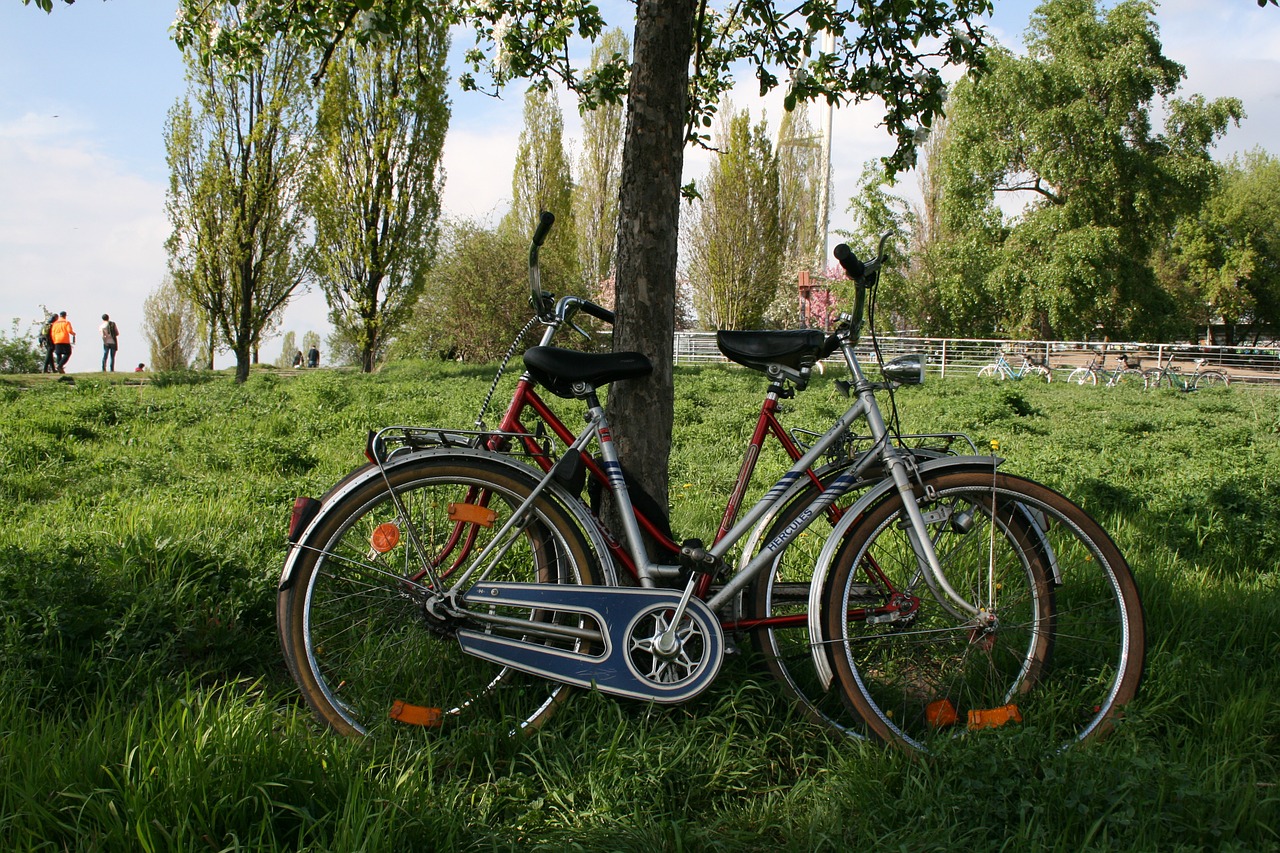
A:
[941,713]
[385,537]
[415,715]
[472,514]
[994,717]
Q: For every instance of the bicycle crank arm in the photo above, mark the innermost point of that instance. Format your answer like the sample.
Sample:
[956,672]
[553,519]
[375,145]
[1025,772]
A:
[628,659]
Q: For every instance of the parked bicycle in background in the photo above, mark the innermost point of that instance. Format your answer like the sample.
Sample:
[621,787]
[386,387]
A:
[1001,369]
[1125,373]
[1165,375]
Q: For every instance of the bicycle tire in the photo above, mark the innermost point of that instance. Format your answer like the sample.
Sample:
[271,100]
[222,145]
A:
[1042,372]
[1130,377]
[1156,378]
[1083,376]
[1067,661]
[354,623]
[1212,379]
[783,591]
[990,371]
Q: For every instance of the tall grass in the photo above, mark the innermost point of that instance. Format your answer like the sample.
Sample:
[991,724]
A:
[144,704]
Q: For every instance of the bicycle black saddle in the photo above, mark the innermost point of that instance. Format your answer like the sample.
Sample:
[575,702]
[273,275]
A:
[558,369]
[796,348]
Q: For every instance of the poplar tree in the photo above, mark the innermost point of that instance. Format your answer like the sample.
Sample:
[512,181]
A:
[543,181]
[595,198]
[172,327]
[376,195]
[237,146]
[735,243]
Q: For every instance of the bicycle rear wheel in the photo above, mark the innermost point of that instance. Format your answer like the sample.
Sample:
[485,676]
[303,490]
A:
[1157,378]
[366,637]
[1057,641]
[1127,378]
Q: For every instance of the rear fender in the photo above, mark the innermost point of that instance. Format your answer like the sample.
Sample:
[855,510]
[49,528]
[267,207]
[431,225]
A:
[361,476]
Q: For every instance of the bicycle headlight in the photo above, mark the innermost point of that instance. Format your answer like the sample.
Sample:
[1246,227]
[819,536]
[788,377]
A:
[905,369]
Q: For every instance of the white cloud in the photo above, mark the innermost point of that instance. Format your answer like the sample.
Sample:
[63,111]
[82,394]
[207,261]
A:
[478,168]
[77,232]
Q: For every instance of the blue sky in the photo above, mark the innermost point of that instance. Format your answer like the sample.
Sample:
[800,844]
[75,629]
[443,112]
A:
[82,171]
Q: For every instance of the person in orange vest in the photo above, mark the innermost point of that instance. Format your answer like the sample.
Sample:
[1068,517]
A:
[63,336]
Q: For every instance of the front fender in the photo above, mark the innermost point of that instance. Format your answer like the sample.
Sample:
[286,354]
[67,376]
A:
[851,517]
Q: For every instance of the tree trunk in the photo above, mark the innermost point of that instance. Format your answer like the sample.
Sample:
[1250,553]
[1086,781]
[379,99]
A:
[242,363]
[641,411]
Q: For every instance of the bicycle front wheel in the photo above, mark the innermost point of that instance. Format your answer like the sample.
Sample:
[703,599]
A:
[779,599]
[1042,623]
[1212,379]
[367,637]
[1083,376]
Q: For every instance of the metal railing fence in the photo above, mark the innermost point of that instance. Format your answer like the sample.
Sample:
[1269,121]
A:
[955,356]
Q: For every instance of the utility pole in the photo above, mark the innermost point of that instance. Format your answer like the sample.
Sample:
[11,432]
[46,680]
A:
[824,201]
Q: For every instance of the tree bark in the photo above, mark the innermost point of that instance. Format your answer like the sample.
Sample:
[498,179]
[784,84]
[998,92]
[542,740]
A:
[641,411]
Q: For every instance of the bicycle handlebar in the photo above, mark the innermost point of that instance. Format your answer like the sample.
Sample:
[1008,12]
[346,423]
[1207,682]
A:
[860,272]
[864,276]
[544,305]
[598,311]
[545,221]
[540,298]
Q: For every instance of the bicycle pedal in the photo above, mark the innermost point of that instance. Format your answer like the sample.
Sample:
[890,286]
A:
[694,557]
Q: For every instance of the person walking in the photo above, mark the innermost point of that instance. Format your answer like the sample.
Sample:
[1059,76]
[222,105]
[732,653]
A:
[313,357]
[46,342]
[110,342]
[63,336]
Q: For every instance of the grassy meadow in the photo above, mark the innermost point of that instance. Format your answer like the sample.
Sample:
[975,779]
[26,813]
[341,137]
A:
[144,704]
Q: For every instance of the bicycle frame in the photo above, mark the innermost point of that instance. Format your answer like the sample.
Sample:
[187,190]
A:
[705,562]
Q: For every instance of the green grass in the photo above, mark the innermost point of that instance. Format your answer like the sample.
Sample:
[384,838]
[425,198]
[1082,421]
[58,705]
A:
[144,704]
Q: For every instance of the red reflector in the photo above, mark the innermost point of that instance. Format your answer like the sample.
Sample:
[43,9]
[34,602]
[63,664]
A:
[304,509]
[385,537]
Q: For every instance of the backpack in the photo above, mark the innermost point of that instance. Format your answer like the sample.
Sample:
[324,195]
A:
[111,332]
[45,331]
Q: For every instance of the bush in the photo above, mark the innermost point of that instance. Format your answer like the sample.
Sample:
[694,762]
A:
[18,352]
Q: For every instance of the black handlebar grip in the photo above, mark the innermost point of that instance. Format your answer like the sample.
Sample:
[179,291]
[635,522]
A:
[544,225]
[853,267]
[597,311]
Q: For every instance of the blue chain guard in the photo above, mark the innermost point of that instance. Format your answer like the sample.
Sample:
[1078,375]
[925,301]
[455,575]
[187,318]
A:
[611,669]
